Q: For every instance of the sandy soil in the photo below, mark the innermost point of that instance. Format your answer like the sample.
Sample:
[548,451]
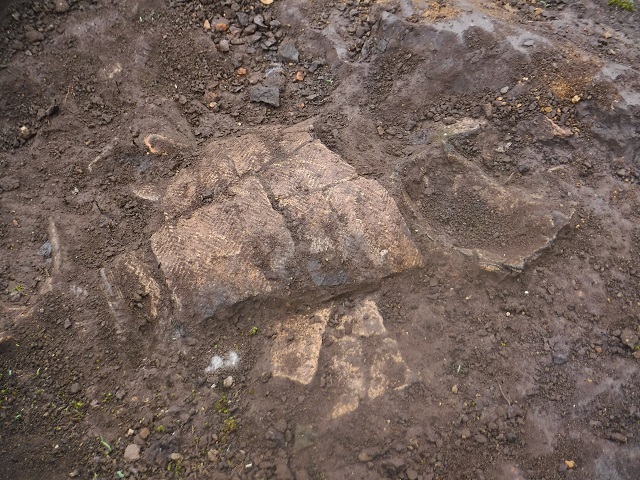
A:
[319,240]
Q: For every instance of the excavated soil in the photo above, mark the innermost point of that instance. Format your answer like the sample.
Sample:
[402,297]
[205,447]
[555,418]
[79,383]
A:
[319,240]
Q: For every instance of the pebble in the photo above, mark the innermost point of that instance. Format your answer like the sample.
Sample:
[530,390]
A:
[454,389]
[25,133]
[618,437]
[132,453]
[212,455]
[367,455]
[176,457]
[144,433]
[559,358]
[223,46]
[268,95]
[287,52]
[228,382]
[75,388]
[61,6]
[32,35]
[480,438]
[504,90]
[259,21]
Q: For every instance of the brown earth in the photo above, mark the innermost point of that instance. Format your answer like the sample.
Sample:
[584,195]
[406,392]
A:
[414,248]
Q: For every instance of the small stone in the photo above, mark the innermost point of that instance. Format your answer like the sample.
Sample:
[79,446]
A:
[449,120]
[67,324]
[559,358]
[504,90]
[412,474]
[132,453]
[75,388]
[212,455]
[576,99]
[223,46]
[228,382]
[25,133]
[607,35]
[287,52]
[454,389]
[618,437]
[570,463]
[488,110]
[259,21]
[465,433]
[74,473]
[221,27]
[207,25]
[61,6]
[144,433]
[480,438]
[266,2]
[281,425]
[528,43]
[129,432]
[32,35]
[241,71]
[176,457]
[268,95]
[368,454]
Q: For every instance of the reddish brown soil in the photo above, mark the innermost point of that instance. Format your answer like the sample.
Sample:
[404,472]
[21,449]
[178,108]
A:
[528,374]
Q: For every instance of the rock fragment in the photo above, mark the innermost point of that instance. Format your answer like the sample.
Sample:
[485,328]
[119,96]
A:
[268,95]
[287,52]
[132,453]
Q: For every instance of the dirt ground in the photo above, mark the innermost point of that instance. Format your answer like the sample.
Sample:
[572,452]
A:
[434,272]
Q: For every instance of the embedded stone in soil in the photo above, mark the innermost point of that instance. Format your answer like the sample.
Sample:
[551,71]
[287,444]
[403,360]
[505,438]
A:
[284,216]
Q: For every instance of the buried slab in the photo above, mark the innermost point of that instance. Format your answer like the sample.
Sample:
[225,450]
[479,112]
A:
[365,362]
[296,347]
[276,214]
[462,207]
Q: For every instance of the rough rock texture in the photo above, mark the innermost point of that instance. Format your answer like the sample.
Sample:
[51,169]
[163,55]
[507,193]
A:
[286,217]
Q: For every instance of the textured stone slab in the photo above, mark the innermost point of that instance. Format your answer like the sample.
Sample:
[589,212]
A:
[274,214]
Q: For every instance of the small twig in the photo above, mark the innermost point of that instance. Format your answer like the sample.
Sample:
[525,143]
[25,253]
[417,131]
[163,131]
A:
[510,177]
[503,395]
